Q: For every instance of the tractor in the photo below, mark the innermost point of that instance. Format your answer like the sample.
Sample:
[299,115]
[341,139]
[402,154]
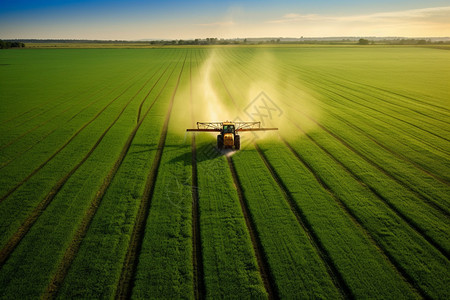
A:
[229,137]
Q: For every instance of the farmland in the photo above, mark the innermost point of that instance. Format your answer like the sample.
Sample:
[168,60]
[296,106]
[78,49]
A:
[103,194]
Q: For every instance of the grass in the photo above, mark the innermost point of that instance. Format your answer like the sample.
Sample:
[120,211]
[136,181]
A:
[352,201]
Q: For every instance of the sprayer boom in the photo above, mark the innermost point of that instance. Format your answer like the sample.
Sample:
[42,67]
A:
[228,136]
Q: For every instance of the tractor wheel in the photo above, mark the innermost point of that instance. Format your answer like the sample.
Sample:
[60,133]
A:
[237,142]
[220,142]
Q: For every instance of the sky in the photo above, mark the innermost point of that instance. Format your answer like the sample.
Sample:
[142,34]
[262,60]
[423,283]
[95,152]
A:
[174,19]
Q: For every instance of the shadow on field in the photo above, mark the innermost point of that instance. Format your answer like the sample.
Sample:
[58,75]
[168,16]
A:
[206,152]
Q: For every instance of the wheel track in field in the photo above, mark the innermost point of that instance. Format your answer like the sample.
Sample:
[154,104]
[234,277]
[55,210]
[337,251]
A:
[71,251]
[425,198]
[411,223]
[382,120]
[332,271]
[331,268]
[197,255]
[354,90]
[400,129]
[398,155]
[396,266]
[28,111]
[43,112]
[358,223]
[19,154]
[14,140]
[146,96]
[443,109]
[12,243]
[19,184]
[125,285]
[261,258]
[418,194]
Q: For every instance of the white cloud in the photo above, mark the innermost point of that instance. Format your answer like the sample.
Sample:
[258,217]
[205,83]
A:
[432,15]
[415,22]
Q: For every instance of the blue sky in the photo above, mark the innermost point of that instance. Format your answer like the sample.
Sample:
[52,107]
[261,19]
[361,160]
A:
[173,19]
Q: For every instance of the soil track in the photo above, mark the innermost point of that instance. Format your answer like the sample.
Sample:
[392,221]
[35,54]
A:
[310,233]
[420,195]
[72,250]
[63,146]
[197,256]
[264,269]
[14,140]
[31,219]
[125,284]
[397,267]
[383,199]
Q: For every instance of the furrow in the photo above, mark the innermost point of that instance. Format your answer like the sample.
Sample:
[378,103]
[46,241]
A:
[57,280]
[146,96]
[31,219]
[398,268]
[381,169]
[329,82]
[257,246]
[383,199]
[19,154]
[125,285]
[310,233]
[421,196]
[63,146]
[45,122]
[384,113]
[197,259]
[398,155]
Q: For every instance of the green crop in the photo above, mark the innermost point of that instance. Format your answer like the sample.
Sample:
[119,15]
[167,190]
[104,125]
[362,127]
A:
[102,196]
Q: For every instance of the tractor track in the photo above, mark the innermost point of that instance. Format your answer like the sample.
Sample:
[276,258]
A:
[19,154]
[19,184]
[12,243]
[47,121]
[148,94]
[359,224]
[197,255]
[413,225]
[71,251]
[418,194]
[354,92]
[33,108]
[424,198]
[396,266]
[444,111]
[125,285]
[385,121]
[333,272]
[28,111]
[398,155]
[260,255]
[263,265]
[389,124]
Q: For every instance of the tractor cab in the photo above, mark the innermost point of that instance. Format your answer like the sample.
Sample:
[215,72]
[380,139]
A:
[228,137]
[228,128]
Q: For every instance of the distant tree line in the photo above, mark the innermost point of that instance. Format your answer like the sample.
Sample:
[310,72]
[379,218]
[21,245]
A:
[400,42]
[7,44]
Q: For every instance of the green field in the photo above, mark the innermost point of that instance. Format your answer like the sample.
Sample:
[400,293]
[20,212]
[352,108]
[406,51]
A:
[103,194]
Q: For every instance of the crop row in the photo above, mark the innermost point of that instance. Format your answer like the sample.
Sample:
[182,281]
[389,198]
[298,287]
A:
[80,188]
[437,262]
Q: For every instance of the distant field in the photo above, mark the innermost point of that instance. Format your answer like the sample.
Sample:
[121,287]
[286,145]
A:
[103,194]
